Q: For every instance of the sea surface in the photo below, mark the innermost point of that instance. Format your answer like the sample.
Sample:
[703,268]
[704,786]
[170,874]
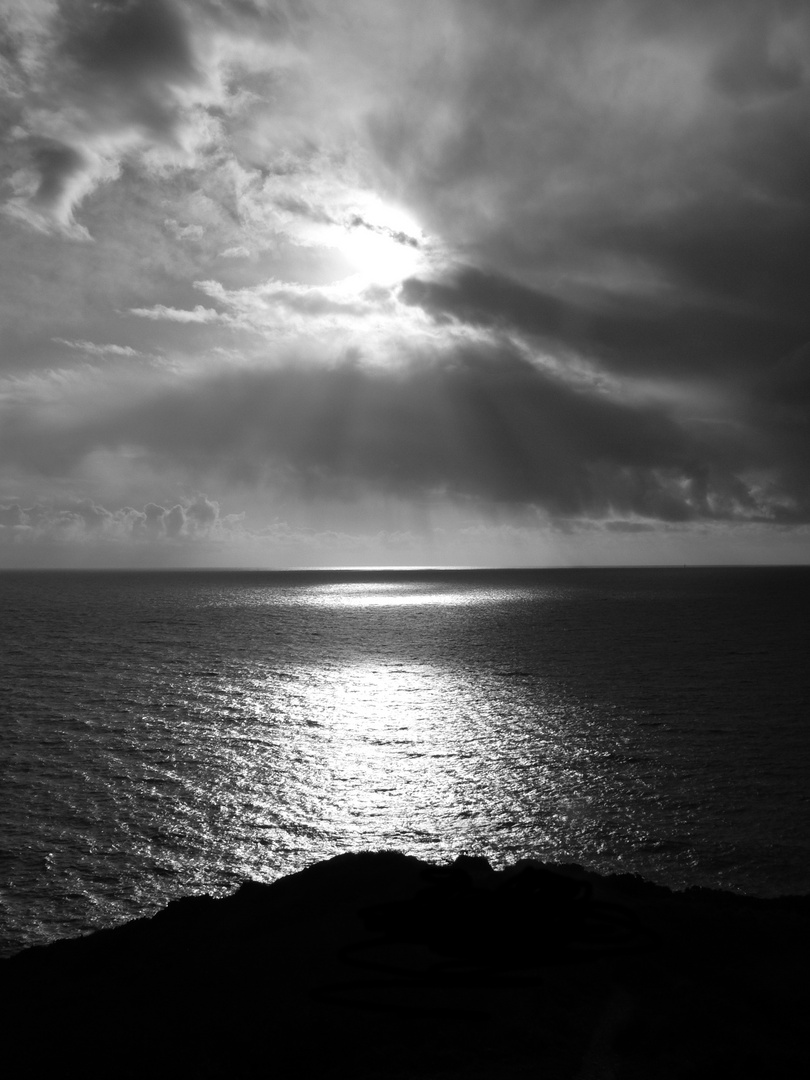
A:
[175,733]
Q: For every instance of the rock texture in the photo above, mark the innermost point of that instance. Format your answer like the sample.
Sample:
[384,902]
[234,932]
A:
[377,965]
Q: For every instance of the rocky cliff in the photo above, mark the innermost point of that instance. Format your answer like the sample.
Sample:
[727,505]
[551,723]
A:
[378,965]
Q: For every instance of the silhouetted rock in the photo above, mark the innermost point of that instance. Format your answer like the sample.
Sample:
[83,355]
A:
[378,965]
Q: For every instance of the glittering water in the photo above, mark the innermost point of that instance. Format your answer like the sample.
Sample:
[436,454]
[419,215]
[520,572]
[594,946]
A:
[165,734]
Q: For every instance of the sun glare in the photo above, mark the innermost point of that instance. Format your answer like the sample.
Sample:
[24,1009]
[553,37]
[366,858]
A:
[381,243]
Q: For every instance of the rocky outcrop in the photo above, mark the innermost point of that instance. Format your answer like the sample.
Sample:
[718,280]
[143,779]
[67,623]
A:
[378,965]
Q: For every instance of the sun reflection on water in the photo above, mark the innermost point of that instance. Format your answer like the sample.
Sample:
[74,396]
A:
[385,713]
[380,759]
[373,594]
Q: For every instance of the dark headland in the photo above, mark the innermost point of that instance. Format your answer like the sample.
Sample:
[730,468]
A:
[378,965]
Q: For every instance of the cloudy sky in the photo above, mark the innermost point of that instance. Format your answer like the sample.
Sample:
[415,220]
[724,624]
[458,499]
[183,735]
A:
[333,282]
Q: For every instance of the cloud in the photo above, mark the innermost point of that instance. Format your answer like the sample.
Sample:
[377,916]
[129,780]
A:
[399,236]
[588,151]
[284,307]
[762,59]
[481,423]
[198,314]
[258,307]
[58,177]
[657,335]
[84,521]
[59,167]
[102,80]
[90,348]
[135,46]
[183,232]
[605,321]
[239,251]
[82,532]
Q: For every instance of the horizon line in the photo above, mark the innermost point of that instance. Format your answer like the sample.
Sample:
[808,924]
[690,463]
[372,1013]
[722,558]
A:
[401,568]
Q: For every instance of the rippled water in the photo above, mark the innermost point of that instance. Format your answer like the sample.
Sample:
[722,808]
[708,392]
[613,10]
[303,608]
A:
[164,734]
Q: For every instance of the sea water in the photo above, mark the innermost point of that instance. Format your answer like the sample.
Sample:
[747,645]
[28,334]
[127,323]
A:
[175,733]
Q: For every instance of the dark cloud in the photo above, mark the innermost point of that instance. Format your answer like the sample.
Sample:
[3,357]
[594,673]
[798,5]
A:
[107,71]
[10,42]
[292,204]
[58,167]
[626,333]
[399,237]
[785,387]
[744,259]
[13,77]
[126,57]
[486,298]
[639,172]
[304,209]
[778,408]
[480,424]
[127,42]
[271,18]
[754,66]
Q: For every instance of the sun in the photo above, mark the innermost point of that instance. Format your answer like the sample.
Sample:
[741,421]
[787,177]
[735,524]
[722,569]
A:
[381,243]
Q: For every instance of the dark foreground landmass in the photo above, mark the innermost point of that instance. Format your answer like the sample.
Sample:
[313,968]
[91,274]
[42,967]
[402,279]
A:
[377,965]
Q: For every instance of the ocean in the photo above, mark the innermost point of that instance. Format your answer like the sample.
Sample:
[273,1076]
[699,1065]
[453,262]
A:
[175,733]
